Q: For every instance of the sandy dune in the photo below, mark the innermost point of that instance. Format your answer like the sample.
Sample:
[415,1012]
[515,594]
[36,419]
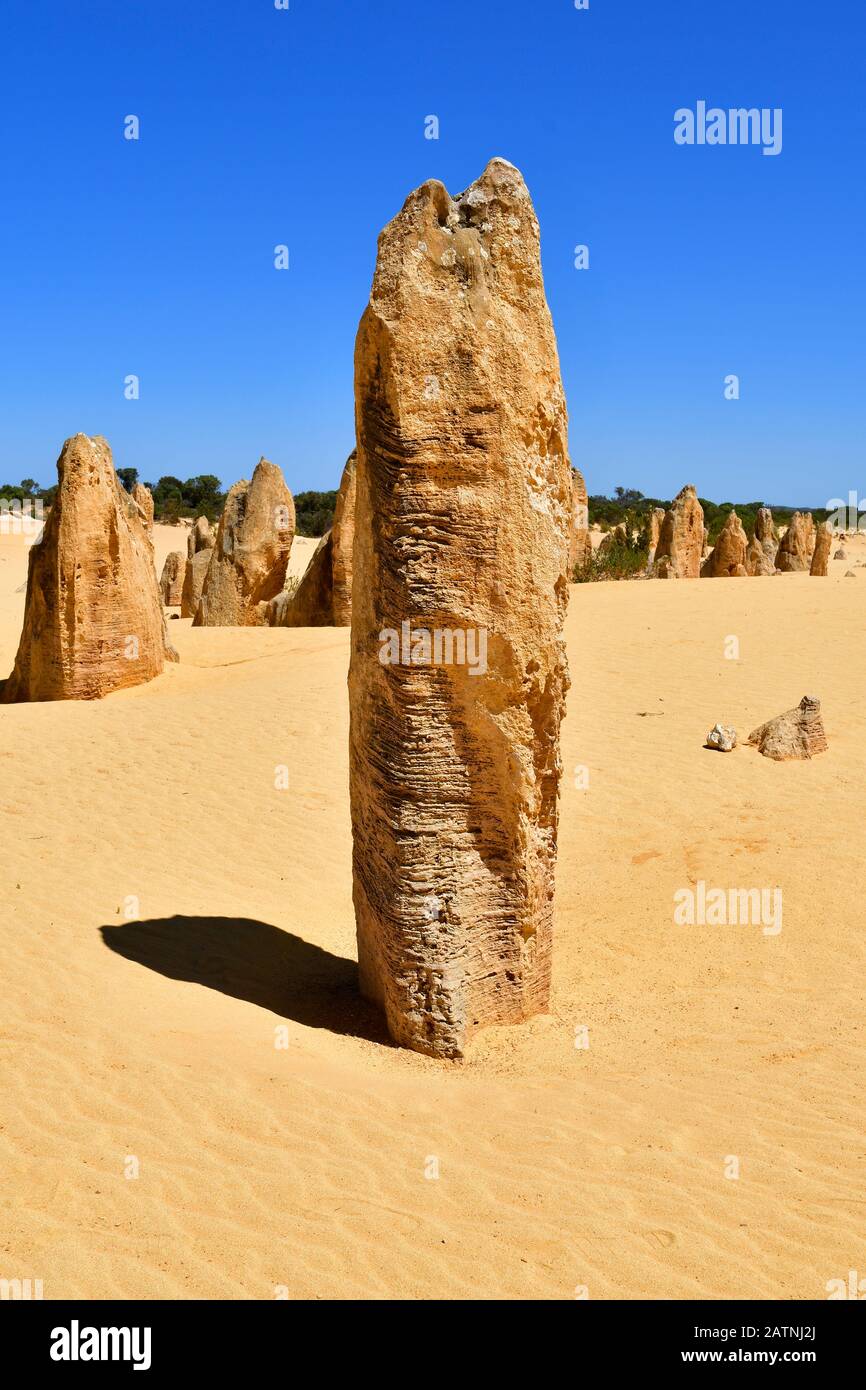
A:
[559,1167]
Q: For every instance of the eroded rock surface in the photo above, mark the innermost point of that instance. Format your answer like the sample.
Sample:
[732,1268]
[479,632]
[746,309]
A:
[580,542]
[171,579]
[93,620]
[821,553]
[143,498]
[654,531]
[798,733]
[249,560]
[681,539]
[795,549]
[761,554]
[458,670]
[323,598]
[727,559]
[200,542]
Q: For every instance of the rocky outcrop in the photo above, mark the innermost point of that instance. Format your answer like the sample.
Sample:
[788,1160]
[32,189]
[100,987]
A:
[93,620]
[171,580]
[727,559]
[200,543]
[821,553]
[681,540]
[143,498]
[795,548]
[761,554]
[580,542]
[249,561]
[799,733]
[323,598]
[458,671]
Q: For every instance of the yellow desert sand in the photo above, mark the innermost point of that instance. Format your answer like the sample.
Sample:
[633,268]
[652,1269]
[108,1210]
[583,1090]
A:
[341,1166]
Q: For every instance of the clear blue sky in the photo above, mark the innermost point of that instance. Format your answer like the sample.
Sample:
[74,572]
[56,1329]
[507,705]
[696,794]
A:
[306,127]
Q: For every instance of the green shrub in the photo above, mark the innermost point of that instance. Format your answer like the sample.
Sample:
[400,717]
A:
[314,512]
[615,560]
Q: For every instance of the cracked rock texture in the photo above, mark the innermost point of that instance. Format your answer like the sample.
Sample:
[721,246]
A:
[248,562]
[93,619]
[463,519]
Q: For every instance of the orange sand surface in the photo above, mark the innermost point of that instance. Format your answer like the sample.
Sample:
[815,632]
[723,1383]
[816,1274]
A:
[310,1167]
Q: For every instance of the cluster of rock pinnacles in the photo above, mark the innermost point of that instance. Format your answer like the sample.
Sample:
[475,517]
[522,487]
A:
[678,545]
[458,513]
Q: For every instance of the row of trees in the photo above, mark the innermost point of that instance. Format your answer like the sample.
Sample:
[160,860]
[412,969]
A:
[201,496]
[26,490]
[175,498]
[314,512]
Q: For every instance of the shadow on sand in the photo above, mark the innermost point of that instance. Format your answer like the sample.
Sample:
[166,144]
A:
[253,961]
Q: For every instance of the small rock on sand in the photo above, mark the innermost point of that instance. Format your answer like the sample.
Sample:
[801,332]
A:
[721,737]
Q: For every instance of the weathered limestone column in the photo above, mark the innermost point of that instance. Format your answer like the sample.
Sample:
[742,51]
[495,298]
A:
[458,671]
[821,553]
[93,619]
[761,554]
[681,538]
[795,550]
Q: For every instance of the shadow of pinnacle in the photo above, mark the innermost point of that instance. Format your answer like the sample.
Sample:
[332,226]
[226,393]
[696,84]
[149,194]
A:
[256,962]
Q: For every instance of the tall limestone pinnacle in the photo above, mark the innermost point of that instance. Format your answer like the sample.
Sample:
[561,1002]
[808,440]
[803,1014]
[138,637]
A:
[761,554]
[681,538]
[821,553]
[93,619]
[458,671]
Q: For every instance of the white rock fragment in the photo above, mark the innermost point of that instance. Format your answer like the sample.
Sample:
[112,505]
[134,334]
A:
[722,737]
